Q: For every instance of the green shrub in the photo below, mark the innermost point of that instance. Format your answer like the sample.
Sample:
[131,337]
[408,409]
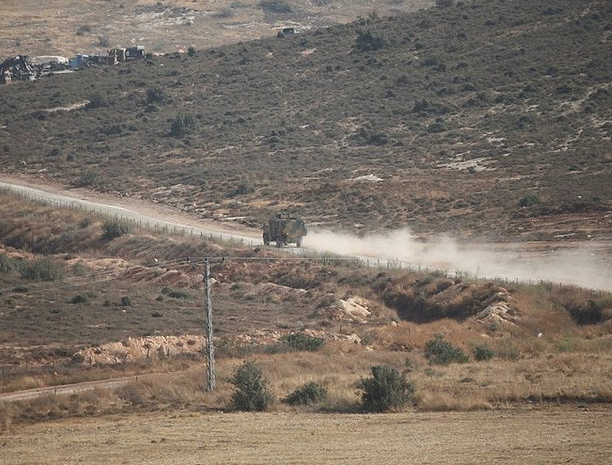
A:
[386,390]
[529,199]
[191,51]
[97,100]
[87,178]
[439,351]
[176,293]
[251,389]
[43,269]
[301,341]
[183,123]
[366,42]
[78,299]
[8,264]
[55,152]
[85,222]
[483,353]
[309,393]
[591,313]
[85,29]
[112,229]
[156,94]
[244,187]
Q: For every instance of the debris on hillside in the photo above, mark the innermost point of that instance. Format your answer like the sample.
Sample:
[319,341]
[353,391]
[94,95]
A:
[135,349]
[498,313]
[355,309]
[17,68]
[22,68]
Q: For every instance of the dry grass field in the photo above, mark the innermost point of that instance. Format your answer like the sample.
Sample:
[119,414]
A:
[517,436]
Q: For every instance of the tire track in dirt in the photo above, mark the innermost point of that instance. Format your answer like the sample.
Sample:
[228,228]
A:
[67,389]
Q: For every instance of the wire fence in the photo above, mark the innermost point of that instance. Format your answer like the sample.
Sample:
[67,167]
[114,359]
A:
[159,226]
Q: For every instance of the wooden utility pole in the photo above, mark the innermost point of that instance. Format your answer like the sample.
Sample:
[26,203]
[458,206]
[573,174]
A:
[210,348]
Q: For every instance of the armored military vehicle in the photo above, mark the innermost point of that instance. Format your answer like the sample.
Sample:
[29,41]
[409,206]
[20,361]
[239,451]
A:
[284,229]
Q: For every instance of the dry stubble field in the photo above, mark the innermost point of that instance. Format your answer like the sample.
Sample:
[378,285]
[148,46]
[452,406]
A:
[555,435]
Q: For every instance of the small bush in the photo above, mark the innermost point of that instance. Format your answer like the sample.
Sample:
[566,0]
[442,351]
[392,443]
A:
[97,100]
[591,313]
[244,187]
[529,199]
[366,42]
[309,393]
[112,229]
[55,152]
[301,341]
[78,299]
[156,95]
[183,124]
[191,51]
[43,269]
[87,178]
[483,353]
[175,293]
[386,390]
[104,41]
[85,29]
[439,351]
[251,393]
[8,264]
[85,222]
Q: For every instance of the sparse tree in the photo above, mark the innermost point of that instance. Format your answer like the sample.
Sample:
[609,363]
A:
[386,390]
[251,388]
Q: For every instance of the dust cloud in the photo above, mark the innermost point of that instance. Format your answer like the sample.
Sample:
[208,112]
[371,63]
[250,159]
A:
[586,264]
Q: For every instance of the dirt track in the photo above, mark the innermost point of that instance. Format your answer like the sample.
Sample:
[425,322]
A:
[554,435]
[587,264]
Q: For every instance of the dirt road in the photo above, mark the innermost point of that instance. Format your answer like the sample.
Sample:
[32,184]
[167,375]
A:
[587,264]
[67,389]
[553,435]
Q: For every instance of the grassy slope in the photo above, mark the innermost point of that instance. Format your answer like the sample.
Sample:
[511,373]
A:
[41,326]
[288,123]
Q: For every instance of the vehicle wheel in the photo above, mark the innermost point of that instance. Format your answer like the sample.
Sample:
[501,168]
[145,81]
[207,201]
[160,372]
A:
[298,242]
[279,243]
[266,239]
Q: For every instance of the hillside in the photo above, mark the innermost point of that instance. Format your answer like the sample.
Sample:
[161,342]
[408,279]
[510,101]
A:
[92,26]
[78,303]
[488,119]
